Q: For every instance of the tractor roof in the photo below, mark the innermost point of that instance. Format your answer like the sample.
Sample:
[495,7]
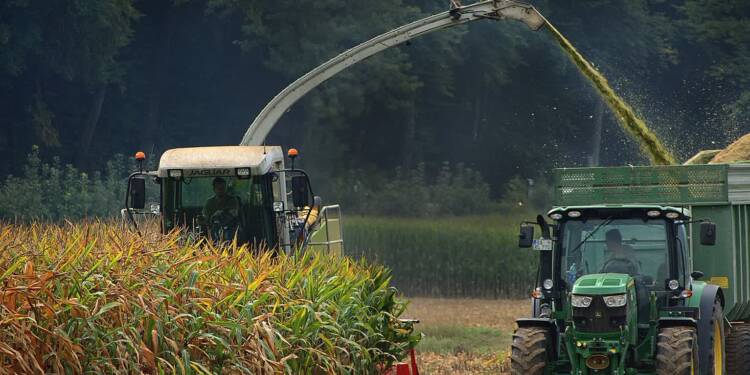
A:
[684,213]
[220,160]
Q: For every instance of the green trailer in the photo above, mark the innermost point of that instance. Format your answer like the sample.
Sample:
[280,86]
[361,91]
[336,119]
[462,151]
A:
[643,270]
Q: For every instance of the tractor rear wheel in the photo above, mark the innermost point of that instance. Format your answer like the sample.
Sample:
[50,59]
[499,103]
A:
[529,351]
[677,351]
[738,350]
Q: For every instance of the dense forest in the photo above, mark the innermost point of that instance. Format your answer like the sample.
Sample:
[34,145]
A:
[86,80]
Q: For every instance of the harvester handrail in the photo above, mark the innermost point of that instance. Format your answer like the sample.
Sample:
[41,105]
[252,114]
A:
[324,214]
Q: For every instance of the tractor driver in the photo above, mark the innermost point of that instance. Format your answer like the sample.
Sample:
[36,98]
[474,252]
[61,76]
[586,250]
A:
[222,207]
[622,257]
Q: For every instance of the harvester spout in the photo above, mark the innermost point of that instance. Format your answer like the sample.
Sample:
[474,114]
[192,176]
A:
[491,9]
[512,10]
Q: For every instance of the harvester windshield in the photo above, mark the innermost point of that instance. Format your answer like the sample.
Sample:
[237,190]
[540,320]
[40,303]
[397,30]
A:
[222,206]
[632,246]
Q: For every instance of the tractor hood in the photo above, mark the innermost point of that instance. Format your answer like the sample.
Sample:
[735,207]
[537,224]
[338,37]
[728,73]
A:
[602,284]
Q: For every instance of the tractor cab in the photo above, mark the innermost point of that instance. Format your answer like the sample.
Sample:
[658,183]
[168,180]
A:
[612,276]
[647,243]
[237,193]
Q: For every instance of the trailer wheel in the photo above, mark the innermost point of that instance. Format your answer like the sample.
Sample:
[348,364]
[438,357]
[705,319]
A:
[738,350]
[529,351]
[717,349]
[677,351]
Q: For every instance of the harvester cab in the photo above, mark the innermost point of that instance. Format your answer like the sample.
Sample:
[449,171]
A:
[238,193]
[635,276]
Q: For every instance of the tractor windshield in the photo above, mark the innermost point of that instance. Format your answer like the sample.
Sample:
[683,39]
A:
[633,246]
[222,207]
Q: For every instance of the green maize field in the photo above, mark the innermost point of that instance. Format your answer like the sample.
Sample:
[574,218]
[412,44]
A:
[447,257]
[94,298]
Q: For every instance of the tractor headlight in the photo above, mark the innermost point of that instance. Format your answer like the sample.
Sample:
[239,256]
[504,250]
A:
[673,284]
[653,213]
[617,300]
[580,301]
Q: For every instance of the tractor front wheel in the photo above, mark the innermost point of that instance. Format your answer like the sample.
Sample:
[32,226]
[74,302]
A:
[677,351]
[529,351]
[738,350]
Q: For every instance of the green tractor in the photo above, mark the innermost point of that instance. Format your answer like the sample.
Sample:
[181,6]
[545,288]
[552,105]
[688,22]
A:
[642,270]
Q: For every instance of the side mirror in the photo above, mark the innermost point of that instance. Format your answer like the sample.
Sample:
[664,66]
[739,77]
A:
[137,193]
[526,235]
[708,233]
[300,191]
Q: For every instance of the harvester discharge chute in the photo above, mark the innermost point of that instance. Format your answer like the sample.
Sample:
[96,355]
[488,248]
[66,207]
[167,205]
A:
[491,9]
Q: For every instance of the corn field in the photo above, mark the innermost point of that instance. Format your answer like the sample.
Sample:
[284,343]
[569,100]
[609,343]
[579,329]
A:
[447,257]
[93,298]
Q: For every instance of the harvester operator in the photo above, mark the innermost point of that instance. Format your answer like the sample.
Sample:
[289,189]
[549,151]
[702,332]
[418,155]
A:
[223,206]
[622,257]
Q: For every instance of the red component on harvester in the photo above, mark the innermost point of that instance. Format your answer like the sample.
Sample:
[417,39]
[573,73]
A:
[404,368]
[140,155]
[413,355]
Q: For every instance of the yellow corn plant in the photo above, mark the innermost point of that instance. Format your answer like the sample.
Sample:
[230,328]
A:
[94,298]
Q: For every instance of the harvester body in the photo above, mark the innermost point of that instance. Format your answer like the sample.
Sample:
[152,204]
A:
[644,270]
[262,203]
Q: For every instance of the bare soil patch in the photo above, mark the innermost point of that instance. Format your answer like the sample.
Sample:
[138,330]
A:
[465,336]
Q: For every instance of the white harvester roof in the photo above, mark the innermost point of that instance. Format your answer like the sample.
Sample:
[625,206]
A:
[220,160]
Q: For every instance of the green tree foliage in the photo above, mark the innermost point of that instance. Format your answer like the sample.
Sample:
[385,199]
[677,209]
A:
[54,57]
[52,191]
[76,40]
[722,29]
[92,78]
[412,192]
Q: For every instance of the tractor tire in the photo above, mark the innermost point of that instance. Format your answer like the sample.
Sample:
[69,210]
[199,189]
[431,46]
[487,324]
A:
[529,354]
[738,350]
[717,348]
[677,351]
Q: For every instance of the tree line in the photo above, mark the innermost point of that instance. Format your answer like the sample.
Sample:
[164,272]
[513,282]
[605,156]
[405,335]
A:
[86,80]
